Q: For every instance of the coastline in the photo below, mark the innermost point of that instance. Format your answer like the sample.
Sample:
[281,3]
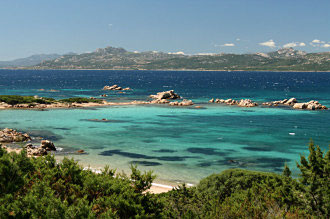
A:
[160,70]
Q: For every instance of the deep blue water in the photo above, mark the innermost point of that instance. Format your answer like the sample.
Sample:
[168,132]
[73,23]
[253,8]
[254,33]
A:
[179,144]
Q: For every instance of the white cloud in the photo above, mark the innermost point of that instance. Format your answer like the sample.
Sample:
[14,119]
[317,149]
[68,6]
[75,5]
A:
[228,44]
[269,43]
[293,44]
[238,39]
[327,45]
[288,45]
[317,41]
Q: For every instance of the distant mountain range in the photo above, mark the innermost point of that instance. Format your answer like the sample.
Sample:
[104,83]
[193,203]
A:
[286,59]
[29,61]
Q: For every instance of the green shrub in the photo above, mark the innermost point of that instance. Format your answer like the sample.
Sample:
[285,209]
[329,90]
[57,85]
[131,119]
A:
[80,100]
[41,188]
[15,99]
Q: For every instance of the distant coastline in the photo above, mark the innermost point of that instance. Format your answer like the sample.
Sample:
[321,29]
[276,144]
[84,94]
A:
[161,70]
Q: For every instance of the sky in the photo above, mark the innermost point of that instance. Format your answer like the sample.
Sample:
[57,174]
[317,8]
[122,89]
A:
[185,26]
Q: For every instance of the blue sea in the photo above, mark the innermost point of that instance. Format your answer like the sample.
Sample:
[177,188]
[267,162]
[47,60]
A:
[180,144]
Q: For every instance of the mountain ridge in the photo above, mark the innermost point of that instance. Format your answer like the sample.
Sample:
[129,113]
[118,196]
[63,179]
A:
[112,58]
[28,61]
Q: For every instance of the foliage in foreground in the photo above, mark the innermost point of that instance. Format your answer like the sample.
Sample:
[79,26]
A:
[237,193]
[39,187]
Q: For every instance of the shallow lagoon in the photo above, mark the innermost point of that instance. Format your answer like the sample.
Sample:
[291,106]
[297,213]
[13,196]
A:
[179,144]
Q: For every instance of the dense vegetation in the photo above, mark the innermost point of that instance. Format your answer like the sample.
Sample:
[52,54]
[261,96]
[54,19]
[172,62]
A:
[286,59]
[80,100]
[41,188]
[15,99]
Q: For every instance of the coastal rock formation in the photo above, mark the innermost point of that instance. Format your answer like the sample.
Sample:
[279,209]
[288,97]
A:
[247,103]
[4,105]
[42,150]
[182,103]
[159,101]
[48,145]
[289,102]
[165,95]
[10,135]
[230,102]
[241,103]
[35,151]
[115,87]
[311,105]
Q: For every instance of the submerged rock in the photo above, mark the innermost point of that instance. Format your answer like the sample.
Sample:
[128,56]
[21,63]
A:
[159,101]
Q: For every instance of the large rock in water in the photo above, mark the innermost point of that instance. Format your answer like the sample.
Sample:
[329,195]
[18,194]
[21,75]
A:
[165,95]
[182,103]
[115,87]
[311,105]
[48,145]
[291,101]
[247,103]
[10,135]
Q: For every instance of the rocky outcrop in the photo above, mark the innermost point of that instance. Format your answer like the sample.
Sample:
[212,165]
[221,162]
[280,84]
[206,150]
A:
[115,87]
[182,103]
[41,150]
[10,135]
[311,105]
[4,105]
[247,103]
[48,145]
[165,95]
[241,103]
[35,151]
[289,102]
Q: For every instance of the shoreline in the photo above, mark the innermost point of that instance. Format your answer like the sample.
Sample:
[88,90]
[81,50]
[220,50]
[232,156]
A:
[160,70]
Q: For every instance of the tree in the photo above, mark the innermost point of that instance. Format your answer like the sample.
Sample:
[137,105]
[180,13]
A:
[315,180]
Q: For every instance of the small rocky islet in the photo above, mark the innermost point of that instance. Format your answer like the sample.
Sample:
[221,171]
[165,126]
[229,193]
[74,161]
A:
[292,102]
[164,97]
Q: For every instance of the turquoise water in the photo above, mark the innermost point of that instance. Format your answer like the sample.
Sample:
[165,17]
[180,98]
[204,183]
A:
[180,144]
